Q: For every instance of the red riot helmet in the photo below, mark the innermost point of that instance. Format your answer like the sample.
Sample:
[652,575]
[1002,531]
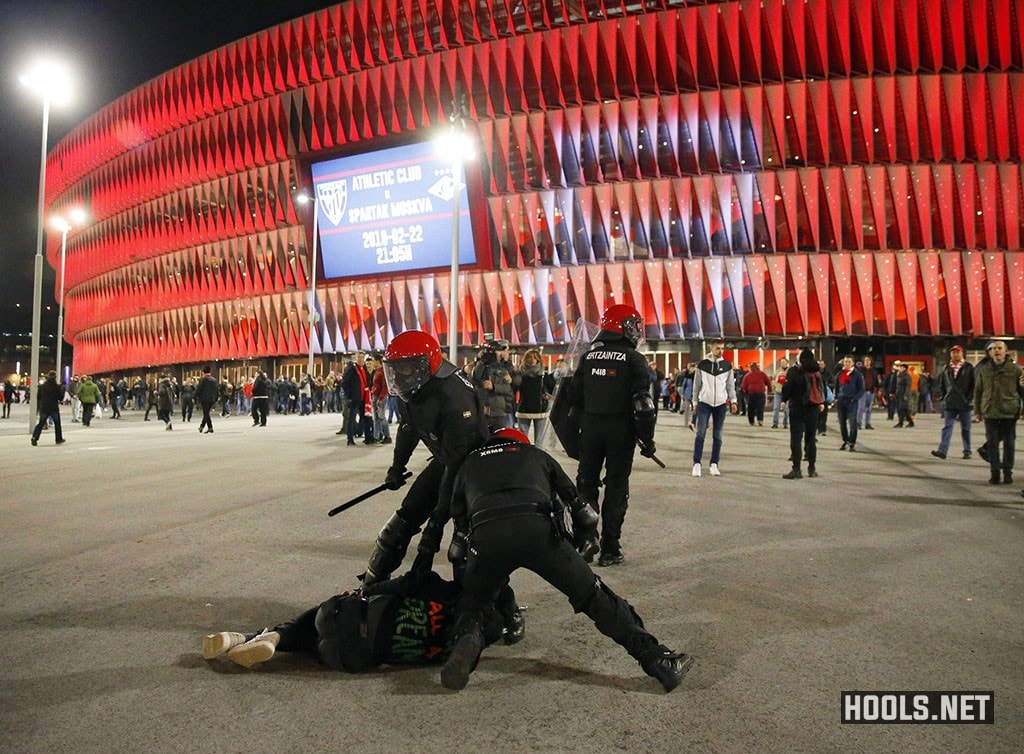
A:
[409,361]
[510,433]
[625,320]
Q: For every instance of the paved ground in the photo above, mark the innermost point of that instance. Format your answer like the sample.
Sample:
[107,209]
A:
[892,571]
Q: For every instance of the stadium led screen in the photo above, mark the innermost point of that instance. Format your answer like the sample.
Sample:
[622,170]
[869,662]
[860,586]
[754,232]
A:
[389,211]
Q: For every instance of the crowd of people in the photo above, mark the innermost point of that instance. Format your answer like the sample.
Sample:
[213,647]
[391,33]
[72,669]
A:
[512,504]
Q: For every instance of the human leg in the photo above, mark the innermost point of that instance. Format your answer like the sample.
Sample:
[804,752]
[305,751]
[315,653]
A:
[703,415]
[718,419]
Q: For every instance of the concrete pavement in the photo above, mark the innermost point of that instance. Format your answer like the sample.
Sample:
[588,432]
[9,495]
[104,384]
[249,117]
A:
[891,571]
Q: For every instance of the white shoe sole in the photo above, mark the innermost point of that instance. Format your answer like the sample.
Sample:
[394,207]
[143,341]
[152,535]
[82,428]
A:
[214,645]
[252,652]
[696,471]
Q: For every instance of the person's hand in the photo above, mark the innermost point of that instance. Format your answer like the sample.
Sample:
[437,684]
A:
[488,385]
[395,477]
[508,378]
[648,449]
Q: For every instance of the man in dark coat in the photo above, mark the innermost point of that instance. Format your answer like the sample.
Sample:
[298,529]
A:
[956,391]
[207,392]
[51,393]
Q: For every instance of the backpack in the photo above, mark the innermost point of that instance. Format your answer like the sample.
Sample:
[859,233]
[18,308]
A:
[815,395]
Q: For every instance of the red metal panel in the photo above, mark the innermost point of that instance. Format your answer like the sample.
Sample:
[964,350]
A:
[974,271]
[864,269]
[995,294]
[1014,285]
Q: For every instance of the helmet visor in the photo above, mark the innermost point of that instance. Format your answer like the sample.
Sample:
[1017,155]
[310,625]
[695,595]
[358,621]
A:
[405,377]
[633,329]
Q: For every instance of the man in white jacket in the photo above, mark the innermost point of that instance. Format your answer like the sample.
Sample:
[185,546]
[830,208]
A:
[714,391]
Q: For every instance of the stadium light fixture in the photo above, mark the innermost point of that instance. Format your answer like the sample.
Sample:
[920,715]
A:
[50,81]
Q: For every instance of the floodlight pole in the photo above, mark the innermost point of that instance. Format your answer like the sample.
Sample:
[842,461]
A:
[37,290]
[60,303]
[453,297]
[313,316]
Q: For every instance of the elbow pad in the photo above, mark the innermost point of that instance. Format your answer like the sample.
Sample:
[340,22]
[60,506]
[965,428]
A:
[644,416]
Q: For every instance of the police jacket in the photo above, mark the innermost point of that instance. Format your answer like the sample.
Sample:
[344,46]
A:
[956,392]
[609,375]
[447,416]
[502,479]
[207,390]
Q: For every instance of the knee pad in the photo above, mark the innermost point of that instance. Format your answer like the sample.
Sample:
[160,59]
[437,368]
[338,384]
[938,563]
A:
[390,547]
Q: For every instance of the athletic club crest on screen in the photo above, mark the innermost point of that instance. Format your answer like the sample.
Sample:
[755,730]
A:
[332,198]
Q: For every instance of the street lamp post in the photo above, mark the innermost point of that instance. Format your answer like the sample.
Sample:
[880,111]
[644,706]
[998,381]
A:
[49,81]
[457,143]
[314,317]
[64,226]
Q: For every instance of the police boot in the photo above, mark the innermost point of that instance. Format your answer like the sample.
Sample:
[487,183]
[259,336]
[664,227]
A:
[515,627]
[666,666]
[462,661]
[258,649]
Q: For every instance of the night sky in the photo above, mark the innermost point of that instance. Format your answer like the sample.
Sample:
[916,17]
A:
[113,47]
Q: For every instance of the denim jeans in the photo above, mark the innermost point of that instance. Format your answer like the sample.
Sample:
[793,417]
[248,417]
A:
[717,416]
[864,409]
[777,408]
[540,427]
[950,417]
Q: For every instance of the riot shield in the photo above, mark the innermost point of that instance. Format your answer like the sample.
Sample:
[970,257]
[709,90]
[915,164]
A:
[566,425]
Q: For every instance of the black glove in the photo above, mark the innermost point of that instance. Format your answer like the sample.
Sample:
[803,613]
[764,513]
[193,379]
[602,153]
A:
[395,477]
[648,449]
[423,563]
[458,549]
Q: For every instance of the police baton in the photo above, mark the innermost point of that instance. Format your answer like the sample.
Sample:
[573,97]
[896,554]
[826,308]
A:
[360,498]
[652,456]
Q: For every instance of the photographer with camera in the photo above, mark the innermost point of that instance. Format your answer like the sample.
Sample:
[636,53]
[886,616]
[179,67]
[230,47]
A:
[497,381]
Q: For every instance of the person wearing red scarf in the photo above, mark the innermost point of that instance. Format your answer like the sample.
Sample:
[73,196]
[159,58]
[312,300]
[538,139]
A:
[355,384]
[849,389]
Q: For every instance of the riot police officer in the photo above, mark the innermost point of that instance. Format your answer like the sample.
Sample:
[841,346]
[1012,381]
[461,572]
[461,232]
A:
[611,393]
[511,503]
[438,405]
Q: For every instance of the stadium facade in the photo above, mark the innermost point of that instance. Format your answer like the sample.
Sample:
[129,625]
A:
[755,169]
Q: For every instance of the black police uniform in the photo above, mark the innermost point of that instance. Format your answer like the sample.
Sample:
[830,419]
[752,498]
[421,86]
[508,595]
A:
[608,378]
[510,497]
[447,416]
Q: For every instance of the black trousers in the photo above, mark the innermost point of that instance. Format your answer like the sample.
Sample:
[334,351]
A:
[846,412]
[260,407]
[499,547]
[43,417]
[803,427]
[186,410]
[207,421]
[609,441]
[87,409]
[755,407]
[1000,431]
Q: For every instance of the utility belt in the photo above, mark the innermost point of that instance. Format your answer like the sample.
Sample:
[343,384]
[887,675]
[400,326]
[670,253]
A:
[499,512]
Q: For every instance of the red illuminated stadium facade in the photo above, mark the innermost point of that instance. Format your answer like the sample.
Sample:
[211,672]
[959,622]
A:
[831,169]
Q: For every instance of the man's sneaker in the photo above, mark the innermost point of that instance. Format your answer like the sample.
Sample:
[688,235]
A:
[515,627]
[214,645]
[868,426]
[696,468]
[61,441]
[844,446]
[610,559]
[714,470]
[967,454]
[794,474]
[811,472]
[939,454]
[169,427]
[462,661]
[258,649]
[1007,476]
[34,441]
[667,667]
